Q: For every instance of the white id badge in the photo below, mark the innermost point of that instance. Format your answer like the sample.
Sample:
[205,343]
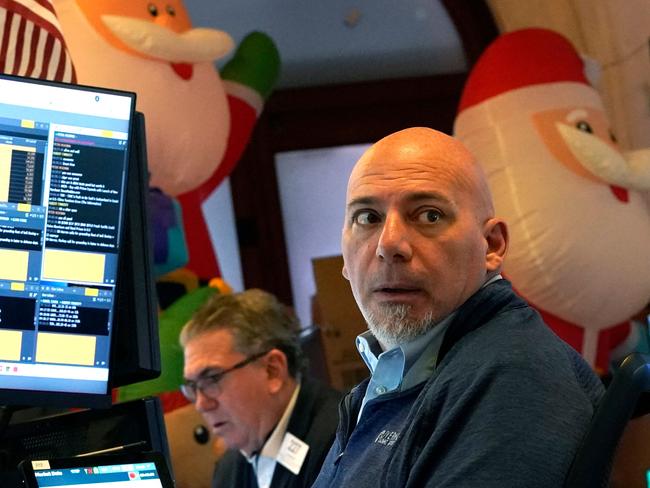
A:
[292,453]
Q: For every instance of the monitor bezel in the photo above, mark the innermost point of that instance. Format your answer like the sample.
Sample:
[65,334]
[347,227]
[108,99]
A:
[136,339]
[61,398]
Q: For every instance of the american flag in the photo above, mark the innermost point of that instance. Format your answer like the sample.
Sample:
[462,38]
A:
[31,41]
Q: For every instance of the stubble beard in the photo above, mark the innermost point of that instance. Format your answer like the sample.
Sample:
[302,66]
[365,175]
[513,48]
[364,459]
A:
[391,324]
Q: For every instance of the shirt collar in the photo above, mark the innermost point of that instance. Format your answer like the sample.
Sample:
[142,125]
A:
[401,367]
[371,353]
[272,445]
[408,364]
[424,358]
[492,280]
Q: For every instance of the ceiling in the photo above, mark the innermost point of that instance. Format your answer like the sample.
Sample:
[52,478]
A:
[343,41]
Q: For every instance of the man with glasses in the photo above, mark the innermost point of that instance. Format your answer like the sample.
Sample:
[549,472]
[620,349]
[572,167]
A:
[244,371]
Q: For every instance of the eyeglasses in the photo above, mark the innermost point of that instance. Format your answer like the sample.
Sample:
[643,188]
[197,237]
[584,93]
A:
[209,384]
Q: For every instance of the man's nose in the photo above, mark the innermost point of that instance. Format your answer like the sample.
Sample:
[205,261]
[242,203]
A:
[394,242]
[204,402]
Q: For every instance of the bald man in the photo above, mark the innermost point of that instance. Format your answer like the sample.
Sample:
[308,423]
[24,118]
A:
[468,386]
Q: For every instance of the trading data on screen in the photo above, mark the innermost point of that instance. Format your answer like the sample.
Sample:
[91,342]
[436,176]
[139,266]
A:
[63,156]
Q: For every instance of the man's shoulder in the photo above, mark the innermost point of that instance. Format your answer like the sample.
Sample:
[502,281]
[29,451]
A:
[314,421]
[515,341]
[317,392]
[512,327]
[316,408]
[230,469]
[514,345]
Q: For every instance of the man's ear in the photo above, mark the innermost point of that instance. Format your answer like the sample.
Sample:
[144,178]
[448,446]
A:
[344,272]
[277,370]
[495,232]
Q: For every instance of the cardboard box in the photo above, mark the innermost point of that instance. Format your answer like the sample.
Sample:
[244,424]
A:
[340,321]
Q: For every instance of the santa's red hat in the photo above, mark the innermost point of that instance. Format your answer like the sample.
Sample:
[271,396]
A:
[519,59]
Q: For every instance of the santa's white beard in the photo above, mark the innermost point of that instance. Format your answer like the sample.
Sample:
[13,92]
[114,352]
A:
[187,121]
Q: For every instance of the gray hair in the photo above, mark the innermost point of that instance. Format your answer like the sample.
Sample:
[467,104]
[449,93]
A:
[258,322]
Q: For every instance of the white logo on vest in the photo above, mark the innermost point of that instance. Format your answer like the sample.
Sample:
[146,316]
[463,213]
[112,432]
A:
[387,438]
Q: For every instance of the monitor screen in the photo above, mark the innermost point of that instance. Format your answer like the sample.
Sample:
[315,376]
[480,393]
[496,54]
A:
[64,152]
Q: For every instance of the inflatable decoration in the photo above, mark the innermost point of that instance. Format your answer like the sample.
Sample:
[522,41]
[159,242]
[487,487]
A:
[151,49]
[198,123]
[166,228]
[32,43]
[613,32]
[576,205]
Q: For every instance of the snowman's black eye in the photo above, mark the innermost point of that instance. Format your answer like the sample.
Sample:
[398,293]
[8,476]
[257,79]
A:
[153,10]
[201,434]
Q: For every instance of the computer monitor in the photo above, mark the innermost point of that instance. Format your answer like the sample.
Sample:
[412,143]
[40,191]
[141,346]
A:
[133,470]
[129,427]
[136,343]
[64,167]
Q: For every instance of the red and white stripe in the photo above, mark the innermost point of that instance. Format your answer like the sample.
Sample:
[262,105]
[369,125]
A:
[31,42]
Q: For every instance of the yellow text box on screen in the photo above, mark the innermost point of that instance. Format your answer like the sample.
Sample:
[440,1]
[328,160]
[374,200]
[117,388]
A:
[10,341]
[13,264]
[91,292]
[65,349]
[73,266]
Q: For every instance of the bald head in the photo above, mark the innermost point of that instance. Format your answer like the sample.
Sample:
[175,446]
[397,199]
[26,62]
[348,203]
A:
[419,142]
[402,153]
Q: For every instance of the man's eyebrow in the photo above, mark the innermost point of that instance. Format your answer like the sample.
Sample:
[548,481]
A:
[411,197]
[427,195]
[355,202]
[205,372]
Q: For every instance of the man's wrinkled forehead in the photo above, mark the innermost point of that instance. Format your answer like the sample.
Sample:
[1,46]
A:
[420,156]
[392,162]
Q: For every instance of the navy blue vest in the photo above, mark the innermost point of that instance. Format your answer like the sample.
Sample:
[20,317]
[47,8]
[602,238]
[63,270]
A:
[358,450]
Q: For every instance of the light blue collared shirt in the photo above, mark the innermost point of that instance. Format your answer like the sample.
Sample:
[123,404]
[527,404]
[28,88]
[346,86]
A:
[403,366]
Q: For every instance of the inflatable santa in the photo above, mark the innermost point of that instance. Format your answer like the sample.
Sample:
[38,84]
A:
[575,203]
[198,122]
